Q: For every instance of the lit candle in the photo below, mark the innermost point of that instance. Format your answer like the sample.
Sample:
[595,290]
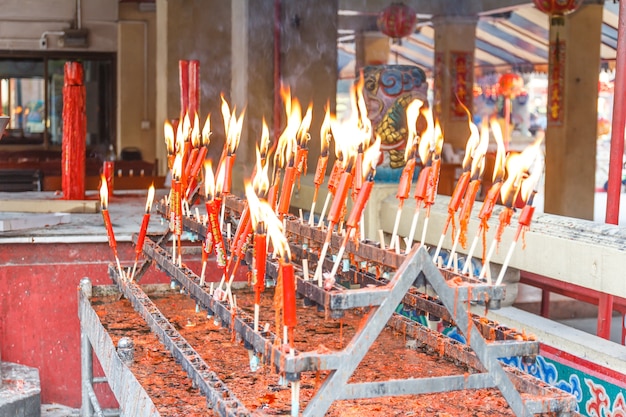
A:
[287,189]
[322,161]
[333,181]
[144,228]
[104,195]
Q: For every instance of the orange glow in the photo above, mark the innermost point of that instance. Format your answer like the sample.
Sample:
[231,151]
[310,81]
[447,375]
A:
[471,145]
[517,170]
[370,158]
[428,135]
[219,182]
[206,131]
[412,112]
[478,154]
[303,132]
[177,168]
[150,198]
[168,131]
[498,168]
[364,124]
[285,95]
[261,181]
[287,142]
[325,132]
[209,180]
[195,132]
[225,109]
[265,140]
[186,128]
[438,137]
[104,193]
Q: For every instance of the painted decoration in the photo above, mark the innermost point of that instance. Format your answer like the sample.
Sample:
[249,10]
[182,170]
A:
[461,83]
[556,83]
[388,91]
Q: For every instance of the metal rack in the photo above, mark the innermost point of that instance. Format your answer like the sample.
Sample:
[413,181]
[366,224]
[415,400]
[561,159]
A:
[412,277]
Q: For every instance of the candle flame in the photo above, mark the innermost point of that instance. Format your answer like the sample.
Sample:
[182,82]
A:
[471,145]
[285,94]
[186,129]
[261,181]
[104,192]
[371,157]
[478,153]
[325,132]
[262,212]
[234,132]
[177,168]
[412,113]
[303,135]
[180,138]
[529,185]
[428,135]
[265,140]
[287,142]
[206,131]
[168,131]
[150,198]
[498,167]
[219,182]
[225,109]
[438,140]
[364,124]
[517,170]
[209,180]
[195,132]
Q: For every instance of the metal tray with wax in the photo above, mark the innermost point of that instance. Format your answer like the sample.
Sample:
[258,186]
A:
[378,300]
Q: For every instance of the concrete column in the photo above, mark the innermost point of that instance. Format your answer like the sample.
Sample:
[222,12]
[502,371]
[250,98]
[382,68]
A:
[455,38]
[309,59]
[571,140]
[252,83]
[193,29]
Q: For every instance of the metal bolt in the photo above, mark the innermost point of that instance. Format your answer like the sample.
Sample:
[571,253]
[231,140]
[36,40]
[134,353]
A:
[126,350]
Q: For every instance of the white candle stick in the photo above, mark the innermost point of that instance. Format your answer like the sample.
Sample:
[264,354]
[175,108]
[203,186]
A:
[381,235]
[305,269]
[505,265]
[320,264]
[396,224]
[441,239]
[326,202]
[416,216]
[468,259]
[453,250]
[312,214]
[483,271]
[424,232]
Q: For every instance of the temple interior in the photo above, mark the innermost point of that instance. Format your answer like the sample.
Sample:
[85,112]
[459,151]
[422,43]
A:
[330,207]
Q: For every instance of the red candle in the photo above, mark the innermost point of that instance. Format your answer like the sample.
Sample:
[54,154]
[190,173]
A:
[301,160]
[335,176]
[404,185]
[194,87]
[212,208]
[229,161]
[358,171]
[320,170]
[466,209]
[359,204]
[433,182]
[74,132]
[505,220]
[526,215]
[109,227]
[108,172]
[459,192]
[285,194]
[260,257]
[422,184]
[490,201]
[176,208]
[144,222]
[340,197]
[272,195]
[183,79]
[289,293]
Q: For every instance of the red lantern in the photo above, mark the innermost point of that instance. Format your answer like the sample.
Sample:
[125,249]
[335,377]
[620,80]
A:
[510,85]
[557,8]
[397,21]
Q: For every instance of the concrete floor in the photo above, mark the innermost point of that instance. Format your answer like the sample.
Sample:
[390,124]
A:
[57,410]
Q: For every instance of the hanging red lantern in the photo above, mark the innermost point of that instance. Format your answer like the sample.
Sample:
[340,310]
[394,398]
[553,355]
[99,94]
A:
[557,8]
[510,85]
[397,21]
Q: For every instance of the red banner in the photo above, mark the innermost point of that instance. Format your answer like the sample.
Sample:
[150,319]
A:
[556,82]
[461,64]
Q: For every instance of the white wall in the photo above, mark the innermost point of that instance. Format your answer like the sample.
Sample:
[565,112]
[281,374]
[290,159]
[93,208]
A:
[24,22]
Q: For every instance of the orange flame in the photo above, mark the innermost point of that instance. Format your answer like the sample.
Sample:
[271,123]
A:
[478,153]
[517,169]
[195,132]
[412,113]
[177,168]
[206,131]
[261,181]
[428,135]
[180,138]
[364,124]
[150,198]
[471,145]
[104,193]
[303,132]
[219,182]
[325,132]
[287,142]
[225,109]
[498,168]
[186,129]
[438,137]
[285,95]
[265,140]
[262,211]
[371,157]
[168,131]
[209,180]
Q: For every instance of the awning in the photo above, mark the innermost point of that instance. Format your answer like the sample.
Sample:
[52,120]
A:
[517,40]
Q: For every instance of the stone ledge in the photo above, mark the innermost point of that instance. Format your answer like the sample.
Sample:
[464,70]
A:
[20,391]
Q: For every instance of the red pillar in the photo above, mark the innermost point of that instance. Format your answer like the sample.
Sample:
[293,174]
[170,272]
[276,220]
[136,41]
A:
[74,133]
[619,121]
[605,313]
